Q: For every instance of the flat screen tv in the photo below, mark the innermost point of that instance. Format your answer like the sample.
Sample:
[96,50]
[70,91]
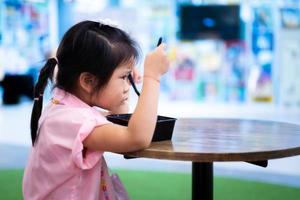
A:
[209,21]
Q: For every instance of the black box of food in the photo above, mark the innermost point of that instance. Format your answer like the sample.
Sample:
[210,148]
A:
[163,130]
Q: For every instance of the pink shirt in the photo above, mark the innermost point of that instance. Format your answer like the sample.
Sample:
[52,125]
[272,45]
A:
[57,168]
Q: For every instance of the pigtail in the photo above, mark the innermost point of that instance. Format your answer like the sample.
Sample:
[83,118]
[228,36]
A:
[45,74]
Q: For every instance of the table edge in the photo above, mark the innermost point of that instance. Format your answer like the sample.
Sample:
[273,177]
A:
[215,157]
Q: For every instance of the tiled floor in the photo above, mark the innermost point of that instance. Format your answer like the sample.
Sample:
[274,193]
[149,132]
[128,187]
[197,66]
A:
[15,141]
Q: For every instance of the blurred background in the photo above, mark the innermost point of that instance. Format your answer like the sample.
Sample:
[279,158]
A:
[229,59]
[222,51]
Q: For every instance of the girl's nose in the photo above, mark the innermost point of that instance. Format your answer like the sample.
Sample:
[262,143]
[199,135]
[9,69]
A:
[127,86]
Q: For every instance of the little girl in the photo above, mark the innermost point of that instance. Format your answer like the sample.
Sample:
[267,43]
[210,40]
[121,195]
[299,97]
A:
[70,136]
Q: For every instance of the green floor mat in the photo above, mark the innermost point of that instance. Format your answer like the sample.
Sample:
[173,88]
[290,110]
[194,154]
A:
[169,186]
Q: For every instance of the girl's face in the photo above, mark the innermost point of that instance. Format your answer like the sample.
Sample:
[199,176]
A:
[116,92]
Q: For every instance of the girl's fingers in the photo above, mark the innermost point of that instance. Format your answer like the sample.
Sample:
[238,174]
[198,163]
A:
[162,47]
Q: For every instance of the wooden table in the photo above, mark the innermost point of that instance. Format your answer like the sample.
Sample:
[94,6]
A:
[204,141]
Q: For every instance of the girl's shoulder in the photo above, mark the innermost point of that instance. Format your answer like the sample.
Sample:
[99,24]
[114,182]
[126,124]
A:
[74,114]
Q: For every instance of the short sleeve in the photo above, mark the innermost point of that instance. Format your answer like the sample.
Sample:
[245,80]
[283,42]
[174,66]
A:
[91,157]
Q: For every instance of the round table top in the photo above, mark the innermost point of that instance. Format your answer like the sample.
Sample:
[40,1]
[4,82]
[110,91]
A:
[209,140]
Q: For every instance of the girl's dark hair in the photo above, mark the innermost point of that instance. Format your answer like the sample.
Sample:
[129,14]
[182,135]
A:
[86,47]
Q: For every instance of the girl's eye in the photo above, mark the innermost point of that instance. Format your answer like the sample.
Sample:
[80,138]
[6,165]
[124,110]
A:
[125,76]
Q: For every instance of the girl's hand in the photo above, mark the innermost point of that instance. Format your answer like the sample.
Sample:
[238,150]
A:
[156,63]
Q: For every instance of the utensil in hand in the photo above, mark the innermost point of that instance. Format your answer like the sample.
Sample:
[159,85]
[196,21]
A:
[130,78]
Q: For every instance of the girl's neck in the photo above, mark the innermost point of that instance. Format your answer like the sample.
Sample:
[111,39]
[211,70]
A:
[83,96]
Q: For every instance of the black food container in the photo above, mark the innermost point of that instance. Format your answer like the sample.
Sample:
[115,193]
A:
[163,130]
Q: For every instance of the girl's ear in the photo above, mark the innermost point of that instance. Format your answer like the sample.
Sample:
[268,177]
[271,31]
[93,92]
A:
[87,82]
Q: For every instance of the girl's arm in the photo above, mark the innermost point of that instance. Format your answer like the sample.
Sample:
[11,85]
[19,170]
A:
[138,134]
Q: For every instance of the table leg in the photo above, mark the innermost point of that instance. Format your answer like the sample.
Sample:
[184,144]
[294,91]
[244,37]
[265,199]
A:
[202,181]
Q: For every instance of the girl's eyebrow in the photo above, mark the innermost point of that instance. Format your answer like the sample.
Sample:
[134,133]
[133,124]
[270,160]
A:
[128,71]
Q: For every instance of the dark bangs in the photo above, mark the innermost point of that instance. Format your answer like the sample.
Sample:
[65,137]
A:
[124,53]
[123,47]
[118,49]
